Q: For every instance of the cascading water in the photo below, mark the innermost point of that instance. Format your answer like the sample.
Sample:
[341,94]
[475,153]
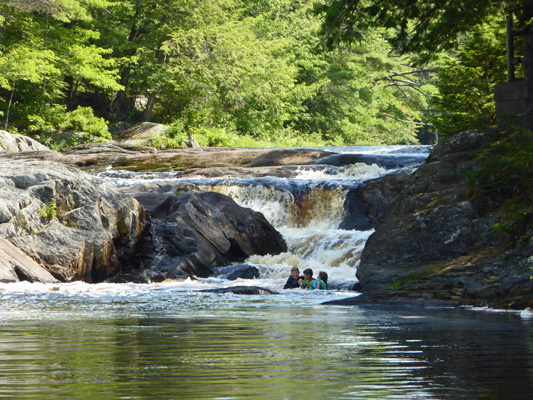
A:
[307,209]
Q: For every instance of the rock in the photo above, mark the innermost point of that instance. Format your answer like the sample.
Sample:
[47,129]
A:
[76,226]
[118,128]
[16,266]
[435,243]
[107,148]
[197,231]
[234,272]
[366,205]
[142,133]
[11,143]
[157,198]
[100,157]
[245,290]
[192,143]
[388,161]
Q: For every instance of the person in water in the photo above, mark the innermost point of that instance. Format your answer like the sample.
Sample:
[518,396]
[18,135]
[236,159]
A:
[295,280]
[321,282]
[308,279]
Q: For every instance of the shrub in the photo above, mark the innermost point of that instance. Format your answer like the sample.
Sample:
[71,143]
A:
[503,181]
[174,137]
[57,119]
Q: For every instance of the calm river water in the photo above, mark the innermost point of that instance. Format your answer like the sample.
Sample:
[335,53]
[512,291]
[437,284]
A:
[171,341]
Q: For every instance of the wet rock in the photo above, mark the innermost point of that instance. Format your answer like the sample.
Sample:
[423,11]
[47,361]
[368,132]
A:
[435,243]
[366,204]
[233,272]
[388,161]
[244,290]
[76,226]
[11,143]
[194,232]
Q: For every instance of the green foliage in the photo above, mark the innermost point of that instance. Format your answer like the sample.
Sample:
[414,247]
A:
[503,182]
[268,74]
[174,137]
[57,119]
[478,64]
[215,137]
[47,54]
[423,27]
[229,71]
[83,119]
[48,211]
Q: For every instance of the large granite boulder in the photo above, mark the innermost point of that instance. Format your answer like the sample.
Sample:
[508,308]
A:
[435,242]
[77,226]
[11,143]
[195,231]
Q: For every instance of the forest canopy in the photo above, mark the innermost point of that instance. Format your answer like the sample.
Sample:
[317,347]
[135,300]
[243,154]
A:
[231,69]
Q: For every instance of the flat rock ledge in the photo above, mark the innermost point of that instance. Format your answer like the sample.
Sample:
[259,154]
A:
[99,157]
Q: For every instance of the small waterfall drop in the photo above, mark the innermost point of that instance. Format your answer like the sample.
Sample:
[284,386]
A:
[306,207]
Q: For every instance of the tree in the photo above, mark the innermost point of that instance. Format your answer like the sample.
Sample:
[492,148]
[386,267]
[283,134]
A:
[466,78]
[47,53]
[425,27]
[264,71]
[24,64]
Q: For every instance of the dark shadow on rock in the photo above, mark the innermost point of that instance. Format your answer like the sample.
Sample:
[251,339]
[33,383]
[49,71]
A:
[233,272]
[244,290]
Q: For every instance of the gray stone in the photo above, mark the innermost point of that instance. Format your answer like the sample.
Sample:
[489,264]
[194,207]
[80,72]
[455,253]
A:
[76,226]
[366,205]
[194,232]
[435,243]
[142,133]
[16,266]
[11,143]
[234,272]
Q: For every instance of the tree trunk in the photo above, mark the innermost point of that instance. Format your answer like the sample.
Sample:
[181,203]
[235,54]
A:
[147,114]
[118,104]
[528,66]
[6,125]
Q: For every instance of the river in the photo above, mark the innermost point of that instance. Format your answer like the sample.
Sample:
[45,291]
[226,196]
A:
[175,340]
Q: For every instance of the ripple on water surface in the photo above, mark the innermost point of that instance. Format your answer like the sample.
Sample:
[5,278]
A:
[79,341]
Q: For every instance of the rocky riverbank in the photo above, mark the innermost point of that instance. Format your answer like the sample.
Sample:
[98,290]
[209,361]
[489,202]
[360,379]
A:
[75,226]
[436,242]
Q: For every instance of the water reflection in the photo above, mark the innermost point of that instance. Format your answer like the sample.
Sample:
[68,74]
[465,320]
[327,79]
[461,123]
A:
[276,352]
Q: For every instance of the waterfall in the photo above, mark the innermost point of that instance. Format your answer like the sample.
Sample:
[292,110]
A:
[306,207]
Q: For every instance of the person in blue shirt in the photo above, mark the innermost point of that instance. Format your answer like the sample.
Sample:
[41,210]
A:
[321,282]
[295,280]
